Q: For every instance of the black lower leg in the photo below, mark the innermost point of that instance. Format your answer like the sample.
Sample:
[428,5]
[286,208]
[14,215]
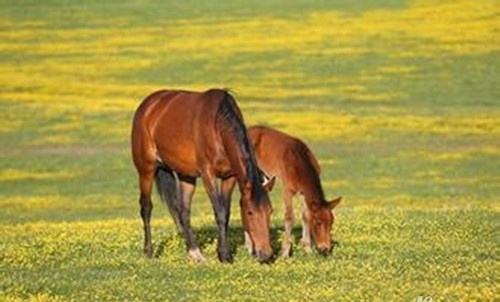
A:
[222,218]
[187,232]
[221,209]
[146,208]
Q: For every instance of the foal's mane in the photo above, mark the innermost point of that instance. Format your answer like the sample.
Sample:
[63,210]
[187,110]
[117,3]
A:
[229,114]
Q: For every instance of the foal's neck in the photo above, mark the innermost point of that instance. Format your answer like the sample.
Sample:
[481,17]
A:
[310,186]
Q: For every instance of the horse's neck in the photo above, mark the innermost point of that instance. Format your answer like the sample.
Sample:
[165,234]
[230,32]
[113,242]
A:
[310,185]
[247,174]
[238,150]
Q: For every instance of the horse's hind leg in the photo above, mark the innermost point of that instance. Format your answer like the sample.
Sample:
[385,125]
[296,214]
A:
[286,245]
[227,187]
[145,163]
[187,188]
[145,184]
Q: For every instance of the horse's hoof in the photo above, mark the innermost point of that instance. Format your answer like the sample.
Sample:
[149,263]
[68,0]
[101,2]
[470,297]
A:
[225,256]
[196,255]
[265,258]
[148,252]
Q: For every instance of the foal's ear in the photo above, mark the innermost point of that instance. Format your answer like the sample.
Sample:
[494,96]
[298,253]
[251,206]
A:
[269,184]
[334,203]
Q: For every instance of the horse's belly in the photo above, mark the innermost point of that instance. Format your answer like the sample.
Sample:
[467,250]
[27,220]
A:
[175,147]
[179,159]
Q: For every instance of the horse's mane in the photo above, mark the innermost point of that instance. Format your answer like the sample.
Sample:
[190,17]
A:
[230,115]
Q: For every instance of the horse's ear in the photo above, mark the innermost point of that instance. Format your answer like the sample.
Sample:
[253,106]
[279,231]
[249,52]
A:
[334,203]
[269,184]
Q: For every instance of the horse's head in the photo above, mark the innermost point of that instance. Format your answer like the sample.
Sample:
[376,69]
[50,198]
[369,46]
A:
[320,223]
[256,215]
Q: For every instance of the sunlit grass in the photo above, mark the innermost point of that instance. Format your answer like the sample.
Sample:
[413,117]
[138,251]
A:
[16,175]
[368,244]
[324,125]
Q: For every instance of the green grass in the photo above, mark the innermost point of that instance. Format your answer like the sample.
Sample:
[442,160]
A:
[398,99]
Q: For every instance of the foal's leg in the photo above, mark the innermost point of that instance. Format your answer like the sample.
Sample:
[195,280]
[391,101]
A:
[222,210]
[286,245]
[306,233]
[146,175]
[187,187]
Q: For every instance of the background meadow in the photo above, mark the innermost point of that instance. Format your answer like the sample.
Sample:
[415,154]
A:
[398,99]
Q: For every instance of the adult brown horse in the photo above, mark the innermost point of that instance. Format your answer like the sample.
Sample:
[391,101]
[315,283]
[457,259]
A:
[178,136]
[293,162]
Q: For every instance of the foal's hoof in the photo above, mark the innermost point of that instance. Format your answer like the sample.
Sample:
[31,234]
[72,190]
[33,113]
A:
[286,251]
[308,249]
[196,255]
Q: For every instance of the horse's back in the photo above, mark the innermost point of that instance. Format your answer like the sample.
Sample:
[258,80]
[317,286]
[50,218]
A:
[172,121]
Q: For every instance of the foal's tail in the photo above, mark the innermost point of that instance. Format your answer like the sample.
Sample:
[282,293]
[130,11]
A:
[167,187]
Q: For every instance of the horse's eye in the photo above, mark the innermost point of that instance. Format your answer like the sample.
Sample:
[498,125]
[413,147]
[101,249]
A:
[250,213]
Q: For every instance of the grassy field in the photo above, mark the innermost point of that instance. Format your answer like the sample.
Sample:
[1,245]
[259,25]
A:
[400,100]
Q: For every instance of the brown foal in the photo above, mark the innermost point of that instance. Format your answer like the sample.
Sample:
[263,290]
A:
[292,161]
[178,136]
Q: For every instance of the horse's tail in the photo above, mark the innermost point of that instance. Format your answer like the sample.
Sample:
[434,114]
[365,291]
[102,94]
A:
[167,187]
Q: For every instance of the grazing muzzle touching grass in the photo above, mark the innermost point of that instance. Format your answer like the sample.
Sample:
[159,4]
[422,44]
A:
[257,222]
[321,223]
[256,213]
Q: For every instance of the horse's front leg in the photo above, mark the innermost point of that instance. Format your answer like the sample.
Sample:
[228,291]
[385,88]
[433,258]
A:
[222,210]
[227,187]
[187,187]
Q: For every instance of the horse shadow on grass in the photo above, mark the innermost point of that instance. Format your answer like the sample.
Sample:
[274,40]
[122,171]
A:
[207,236]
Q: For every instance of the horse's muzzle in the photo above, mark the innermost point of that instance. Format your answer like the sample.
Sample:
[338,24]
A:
[264,257]
[324,251]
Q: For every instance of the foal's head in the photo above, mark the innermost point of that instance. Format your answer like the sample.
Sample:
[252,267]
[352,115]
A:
[256,215]
[320,222]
